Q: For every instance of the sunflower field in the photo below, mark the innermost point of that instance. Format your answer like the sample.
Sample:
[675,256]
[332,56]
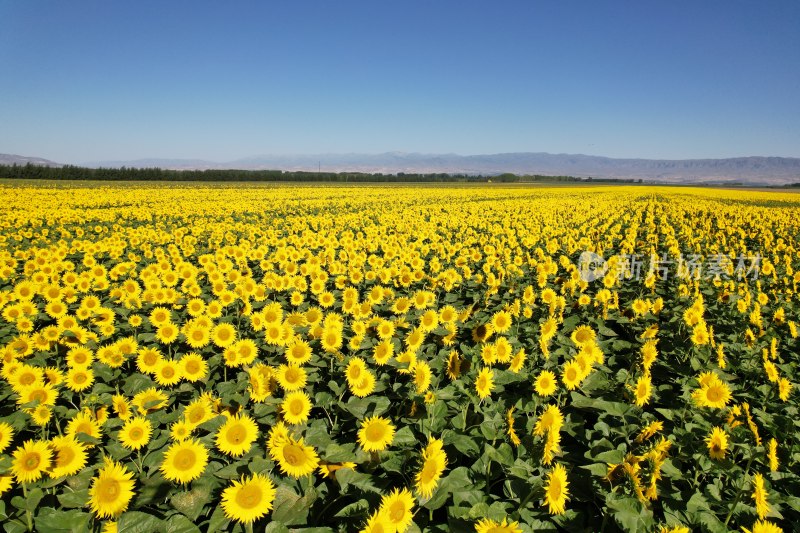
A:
[185,358]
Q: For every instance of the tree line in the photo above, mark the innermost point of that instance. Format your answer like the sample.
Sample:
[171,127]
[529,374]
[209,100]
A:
[71,172]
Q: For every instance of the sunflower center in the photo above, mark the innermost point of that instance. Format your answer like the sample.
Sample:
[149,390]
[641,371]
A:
[65,456]
[38,395]
[32,461]
[185,459]
[27,379]
[397,511]
[197,335]
[192,367]
[168,372]
[555,488]
[108,490]
[428,472]
[293,454]
[375,433]
[79,378]
[149,358]
[136,433]
[714,394]
[196,415]
[236,434]
[84,427]
[249,496]
[296,408]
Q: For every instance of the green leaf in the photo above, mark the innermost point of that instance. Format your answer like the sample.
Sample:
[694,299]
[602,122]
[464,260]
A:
[404,437]
[138,522]
[73,521]
[181,524]
[630,514]
[347,477]
[76,499]
[291,509]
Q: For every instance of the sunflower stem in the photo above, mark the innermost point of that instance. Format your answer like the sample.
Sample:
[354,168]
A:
[741,489]
[28,516]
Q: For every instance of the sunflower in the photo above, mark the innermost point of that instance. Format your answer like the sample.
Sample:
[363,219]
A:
[491,526]
[167,333]
[180,430]
[484,382]
[365,386]
[434,461]
[294,458]
[454,363]
[296,407]
[236,435]
[551,420]
[198,411]
[759,496]
[184,461]
[763,526]
[422,376]
[376,434]
[6,482]
[517,361]
[30,461]
[197,336]
[482,333]
[193,367]
[713,392]
[83,422]
[556,493]
[150,400]
[583,335]
[291,377]
[572,374]
[223,335]
[148,360]
[355,369]
[545,383]
[378,523]
[6,434]
[643,390]
[397,507]
[135,434]
[70,456]
[111,490]
[382,352]
[168,373]
[298,352]
[501,322]
[249,499]
[717,443]
[79,379]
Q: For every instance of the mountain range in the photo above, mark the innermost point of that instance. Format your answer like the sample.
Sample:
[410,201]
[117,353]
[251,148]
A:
[745,170]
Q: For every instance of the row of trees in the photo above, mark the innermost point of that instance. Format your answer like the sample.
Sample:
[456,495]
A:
[70,172]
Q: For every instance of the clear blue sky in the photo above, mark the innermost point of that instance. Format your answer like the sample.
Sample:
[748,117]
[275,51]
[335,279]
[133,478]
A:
[84,81]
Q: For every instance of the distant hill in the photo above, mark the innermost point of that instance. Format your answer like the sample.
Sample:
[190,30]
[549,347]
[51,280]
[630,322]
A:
[11,159]
[747,170]
[743,170]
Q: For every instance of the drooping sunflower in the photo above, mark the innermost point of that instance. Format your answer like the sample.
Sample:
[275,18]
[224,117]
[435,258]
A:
[556,493]
[111,491]
[296,407]
[249,499]
[545,383]
[376,434]
[398,506]
[70,456]
[31,460]
[149,400]
[135,434]
[236,435]
[184,461]
[517,361]
[487,525]
[484,383]
[717,443]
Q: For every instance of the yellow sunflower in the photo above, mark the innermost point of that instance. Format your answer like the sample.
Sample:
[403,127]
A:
[193,367]
[70,456]
[294,458]
[487,525]
[223,335]
[434,461]
[79,379]
[236,435]
[249,499]
[484,382]
[6,434]
[291,377]
[168,373]
[717,443]
[135,434]
[378,523]
[31,460]
[397,507]
[545,383]
[556,493]
[376,434]
[184,461]
[296,407]
[643,390]
[298,353]
[111,491]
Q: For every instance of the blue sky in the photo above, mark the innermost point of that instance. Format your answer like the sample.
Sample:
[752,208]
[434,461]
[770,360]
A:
[85,81]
